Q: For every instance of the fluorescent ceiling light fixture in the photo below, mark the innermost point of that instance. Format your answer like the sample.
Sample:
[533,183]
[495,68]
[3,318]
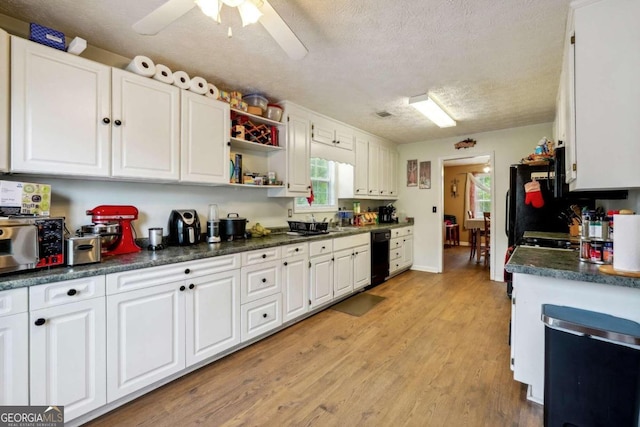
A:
[431,110]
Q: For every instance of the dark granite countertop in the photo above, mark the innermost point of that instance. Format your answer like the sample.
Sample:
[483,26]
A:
[562,264]
[170,255]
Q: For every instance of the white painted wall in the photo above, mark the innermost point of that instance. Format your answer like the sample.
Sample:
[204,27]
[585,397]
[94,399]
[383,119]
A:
[508,146]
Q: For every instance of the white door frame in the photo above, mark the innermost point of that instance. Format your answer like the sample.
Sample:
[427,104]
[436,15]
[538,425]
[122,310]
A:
[441,188]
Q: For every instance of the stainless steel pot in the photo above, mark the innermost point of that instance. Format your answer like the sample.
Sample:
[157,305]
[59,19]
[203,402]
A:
[109,234]
[233,227]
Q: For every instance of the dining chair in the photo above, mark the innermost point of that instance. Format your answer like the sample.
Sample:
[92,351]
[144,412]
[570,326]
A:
[487,237]
[473,235]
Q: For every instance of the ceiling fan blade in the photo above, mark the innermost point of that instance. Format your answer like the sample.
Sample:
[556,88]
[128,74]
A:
[157,20]
[281,33]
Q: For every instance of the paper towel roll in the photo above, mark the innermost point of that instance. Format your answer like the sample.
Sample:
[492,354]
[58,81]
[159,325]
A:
[626,242]
[163,74]
[181,79]
[212,91]
[198,85]
[142,65]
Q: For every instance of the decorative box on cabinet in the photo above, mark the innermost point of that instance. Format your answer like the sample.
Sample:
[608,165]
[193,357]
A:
[68,345]
[14,347]
[60,112]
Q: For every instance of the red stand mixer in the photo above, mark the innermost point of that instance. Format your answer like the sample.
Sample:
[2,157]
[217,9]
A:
[113,223]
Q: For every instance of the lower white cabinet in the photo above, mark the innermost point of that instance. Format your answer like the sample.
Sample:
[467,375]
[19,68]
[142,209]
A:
[67,356]
[361,267]
[343,272]
[321,280]
[407,253]
[14,347]
[295,286]
[261,316]
[145,337]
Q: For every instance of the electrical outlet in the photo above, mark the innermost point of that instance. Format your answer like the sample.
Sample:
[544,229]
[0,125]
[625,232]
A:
[434,209]
[290,213]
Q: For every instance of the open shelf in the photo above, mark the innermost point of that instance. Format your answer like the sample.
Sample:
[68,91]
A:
[255,186]
[258,119]
[254,146]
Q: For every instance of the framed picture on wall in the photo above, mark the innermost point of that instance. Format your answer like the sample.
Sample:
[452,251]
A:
[412,173]
[425,175]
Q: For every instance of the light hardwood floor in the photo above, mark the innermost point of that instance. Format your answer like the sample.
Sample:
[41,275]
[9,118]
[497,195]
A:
[433,353]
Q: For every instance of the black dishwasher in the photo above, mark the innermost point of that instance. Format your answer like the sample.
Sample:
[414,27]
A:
[379,256]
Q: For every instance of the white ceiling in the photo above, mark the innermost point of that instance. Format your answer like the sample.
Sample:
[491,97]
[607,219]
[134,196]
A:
[493,64]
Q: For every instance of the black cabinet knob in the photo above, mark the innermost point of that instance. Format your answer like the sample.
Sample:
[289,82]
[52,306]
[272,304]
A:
[286,263]
[297,249]
[356,253]
[71,292]
[191,286]
[40,322]
[308,187]
[229,143]
[117,122]
[370,191]
[323,248]
[358,190]
[264,280]
[187,271]
[182,288]
[264,315]
[264,255]
[337,142]
[106,120]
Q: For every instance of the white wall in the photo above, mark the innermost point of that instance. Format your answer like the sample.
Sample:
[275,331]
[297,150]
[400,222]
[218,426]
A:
[508,146]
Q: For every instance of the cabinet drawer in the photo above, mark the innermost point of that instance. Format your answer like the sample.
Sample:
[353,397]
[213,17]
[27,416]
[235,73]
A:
[396,232]
[396,243]
[14,301]
[408,231]
[321,247]
[351,241]
[395,254]
[259,281]
[261,316]
[58,293]
[260,255]
[402,231]
[295,250]
[145,277]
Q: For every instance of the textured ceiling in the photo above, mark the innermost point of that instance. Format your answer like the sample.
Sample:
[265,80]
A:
[493,64]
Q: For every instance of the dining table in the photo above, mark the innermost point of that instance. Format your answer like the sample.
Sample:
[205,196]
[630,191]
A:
[475,225]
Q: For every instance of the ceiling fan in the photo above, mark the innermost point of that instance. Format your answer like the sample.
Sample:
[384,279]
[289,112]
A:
[251,11]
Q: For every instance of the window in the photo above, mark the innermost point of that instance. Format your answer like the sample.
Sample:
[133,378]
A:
[323,180]
[482,199]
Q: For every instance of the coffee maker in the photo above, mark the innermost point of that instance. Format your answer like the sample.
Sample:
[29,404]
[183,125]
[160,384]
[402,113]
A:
[387,214]
[184,227]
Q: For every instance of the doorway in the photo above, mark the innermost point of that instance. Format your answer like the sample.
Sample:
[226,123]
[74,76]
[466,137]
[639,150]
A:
[467,191]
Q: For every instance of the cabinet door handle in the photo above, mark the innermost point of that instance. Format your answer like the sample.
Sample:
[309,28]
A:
[357,253]
[264,256]
[182,288]
[264,280]
[40,322]
[117,122]
[106,120]
[286,263]
[297,249]
[229,143]
[323,248]
[264,315]
[187,271]
[71,292]
[191,286]
[337,142]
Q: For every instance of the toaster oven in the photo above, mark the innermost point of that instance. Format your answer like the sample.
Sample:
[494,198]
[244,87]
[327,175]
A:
[27,243]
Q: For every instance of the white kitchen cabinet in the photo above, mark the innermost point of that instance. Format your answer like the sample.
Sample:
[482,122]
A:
[361,179]
[362,266]
[343,272]
[295,281]
[14,347]
[373,177]
[260,280]
[60,112]
[400,250]
[145,337]
[212,315]
[146,127]
[321,280]
[393,173]
[606,58]
[330,132]
[5,84]
[261,316]
[294,161]
[407,255]
[204,138]
[67,356]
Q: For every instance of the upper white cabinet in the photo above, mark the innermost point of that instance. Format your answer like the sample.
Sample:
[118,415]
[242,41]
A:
[607,60]
[361,179]
[4,99]
[330,132]
[295,160]
[146,133]
[375,168]
[204,128]
[60,112]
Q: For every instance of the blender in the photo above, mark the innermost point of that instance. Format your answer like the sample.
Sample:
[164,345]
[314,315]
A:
[213,225]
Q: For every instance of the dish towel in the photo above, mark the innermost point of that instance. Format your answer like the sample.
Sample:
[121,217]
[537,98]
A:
[310,198]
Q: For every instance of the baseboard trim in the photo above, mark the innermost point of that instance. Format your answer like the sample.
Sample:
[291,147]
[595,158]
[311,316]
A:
[425,269]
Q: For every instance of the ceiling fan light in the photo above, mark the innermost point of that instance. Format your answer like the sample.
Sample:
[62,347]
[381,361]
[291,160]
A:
[233,3]
[431,110]
[249,13]
[211,8]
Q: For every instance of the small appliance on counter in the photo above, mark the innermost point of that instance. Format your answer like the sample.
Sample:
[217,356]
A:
[27,243]
[85,249]
[155,239]
[213,225]
[387,214]
[113,224]
[233,227]
[184,227]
